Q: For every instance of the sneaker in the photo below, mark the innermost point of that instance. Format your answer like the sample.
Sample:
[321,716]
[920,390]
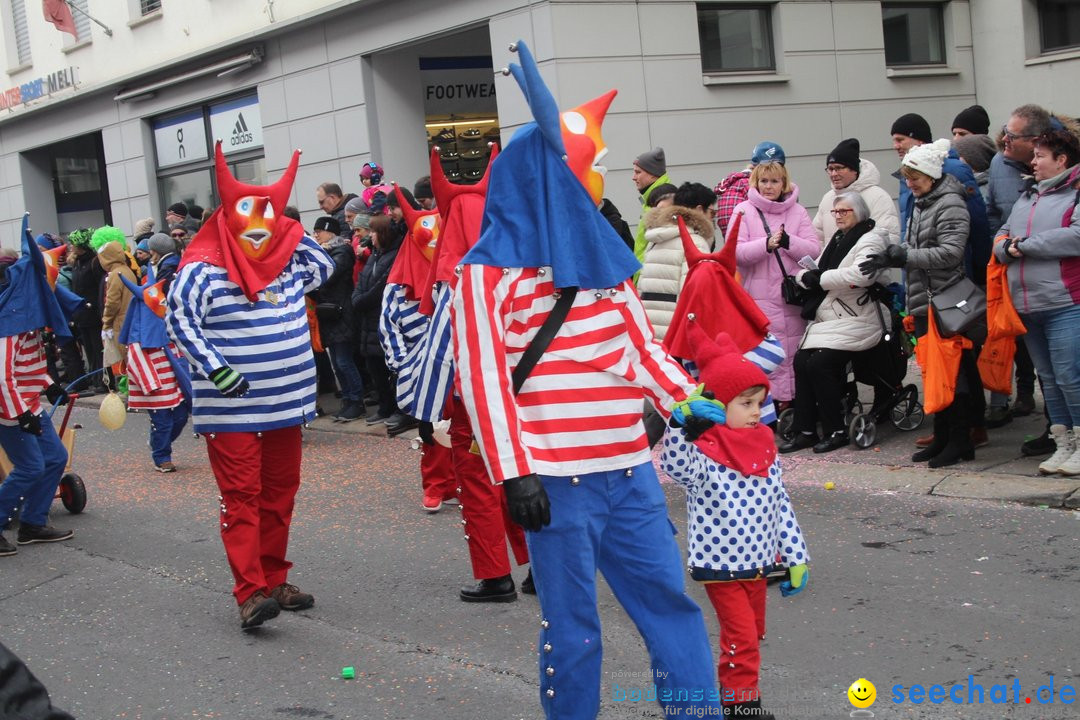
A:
[446,135]
[448,155]
[6,548]
[474,174]
[353,411]
[257,609]
[376,419]
[1042,445]
[1066,448]
[432,504]
[166,467]
[29,534]
[1071,465]
[291,598]
[471,133]
[1024,405]
[472,154]
[998,416]
[453,175]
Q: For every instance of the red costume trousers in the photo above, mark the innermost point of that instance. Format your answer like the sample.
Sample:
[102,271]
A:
[437,472]
[483,508]
[740,608]
[258,475]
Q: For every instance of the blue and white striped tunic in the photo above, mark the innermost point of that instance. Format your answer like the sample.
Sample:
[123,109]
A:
[401,325]
[267,341]
[427,378]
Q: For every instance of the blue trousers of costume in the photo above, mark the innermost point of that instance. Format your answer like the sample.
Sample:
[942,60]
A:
[39,462]
[165,427]
[615,522]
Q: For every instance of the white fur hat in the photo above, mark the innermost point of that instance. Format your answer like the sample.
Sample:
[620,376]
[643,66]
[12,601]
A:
[929,158]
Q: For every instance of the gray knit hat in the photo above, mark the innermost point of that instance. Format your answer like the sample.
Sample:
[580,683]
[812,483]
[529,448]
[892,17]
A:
[356,205]
[161,243]
[976,150]
[652,162]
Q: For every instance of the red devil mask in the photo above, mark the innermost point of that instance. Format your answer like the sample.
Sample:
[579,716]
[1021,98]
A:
[247,234]
[413,262]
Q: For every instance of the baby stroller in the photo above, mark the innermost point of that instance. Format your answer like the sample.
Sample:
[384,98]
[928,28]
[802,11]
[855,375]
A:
[882,367]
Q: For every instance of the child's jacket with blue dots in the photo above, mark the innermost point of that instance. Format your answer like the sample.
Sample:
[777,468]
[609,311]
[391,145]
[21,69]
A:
[736,524]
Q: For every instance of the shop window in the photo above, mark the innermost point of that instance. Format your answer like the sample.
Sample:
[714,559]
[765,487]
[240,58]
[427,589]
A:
[914,33]
[149,6]
[736,38]
[460,113]
[21,32]
[1059,24]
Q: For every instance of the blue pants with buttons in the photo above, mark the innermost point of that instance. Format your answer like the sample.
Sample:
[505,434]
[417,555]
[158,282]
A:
[39,462]
[616,522]
[165,427]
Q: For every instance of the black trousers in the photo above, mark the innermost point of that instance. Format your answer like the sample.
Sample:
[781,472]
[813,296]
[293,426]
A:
[820,386]
[89,335]
[380,383]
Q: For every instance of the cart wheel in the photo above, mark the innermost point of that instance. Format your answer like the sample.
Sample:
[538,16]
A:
[73,493]
[862,431]
[785,425]
[908,413]
[855,409]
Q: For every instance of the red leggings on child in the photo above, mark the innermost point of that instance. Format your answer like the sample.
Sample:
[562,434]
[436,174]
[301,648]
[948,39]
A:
[740,608]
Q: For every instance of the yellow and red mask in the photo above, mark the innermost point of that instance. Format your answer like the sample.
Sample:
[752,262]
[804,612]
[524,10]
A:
[413,262]
[53,258]
[584,143]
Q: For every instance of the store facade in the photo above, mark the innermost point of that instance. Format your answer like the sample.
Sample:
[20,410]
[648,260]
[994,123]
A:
[94,137]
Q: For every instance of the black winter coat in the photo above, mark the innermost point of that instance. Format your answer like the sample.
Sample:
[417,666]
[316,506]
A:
[86,279]
[367,297]
[337,290]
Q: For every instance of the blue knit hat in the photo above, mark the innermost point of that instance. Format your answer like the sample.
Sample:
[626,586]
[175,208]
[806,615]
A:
[143,245]
[767,152]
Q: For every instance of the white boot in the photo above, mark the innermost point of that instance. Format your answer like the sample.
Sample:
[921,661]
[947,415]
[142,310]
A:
[1066,448]
[1071,466]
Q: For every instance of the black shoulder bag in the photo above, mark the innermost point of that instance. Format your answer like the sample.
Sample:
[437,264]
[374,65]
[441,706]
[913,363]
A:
[791,291]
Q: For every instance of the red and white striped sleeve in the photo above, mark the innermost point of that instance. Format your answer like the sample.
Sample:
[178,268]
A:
[480,307]
[664,380]
[11,403]
[141,369]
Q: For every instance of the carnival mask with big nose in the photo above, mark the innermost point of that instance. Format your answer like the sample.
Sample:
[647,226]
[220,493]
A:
[585,146]
[251,211]
[423,225]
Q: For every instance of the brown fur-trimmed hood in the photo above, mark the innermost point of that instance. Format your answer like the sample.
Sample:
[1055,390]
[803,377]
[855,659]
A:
[696,221]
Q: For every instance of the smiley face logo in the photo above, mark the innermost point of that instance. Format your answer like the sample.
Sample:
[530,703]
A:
[862,693]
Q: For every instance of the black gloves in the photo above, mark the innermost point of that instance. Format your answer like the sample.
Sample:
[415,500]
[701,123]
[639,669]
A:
[29,423]
[229,383]
[695,425]
[56,394]
[894,256]
[785,239]
[811,279]
[528,502]
[427,433]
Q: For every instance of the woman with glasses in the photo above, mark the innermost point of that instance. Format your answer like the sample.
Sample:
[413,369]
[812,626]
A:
[844,320]
[933,257]
[1040,243]
[775,231]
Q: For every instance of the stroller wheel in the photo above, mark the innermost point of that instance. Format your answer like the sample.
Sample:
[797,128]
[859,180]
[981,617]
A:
[73,493]
[785,425]
[908,413]
[862,431]
[852,410]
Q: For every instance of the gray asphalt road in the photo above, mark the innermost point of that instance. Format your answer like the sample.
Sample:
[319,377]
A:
[133,619]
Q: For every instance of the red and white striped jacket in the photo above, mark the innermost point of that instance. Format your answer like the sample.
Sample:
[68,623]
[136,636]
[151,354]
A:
[580,409]
[24,375]
[151,381]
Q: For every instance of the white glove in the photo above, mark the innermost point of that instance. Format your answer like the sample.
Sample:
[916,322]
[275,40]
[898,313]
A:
[107,334]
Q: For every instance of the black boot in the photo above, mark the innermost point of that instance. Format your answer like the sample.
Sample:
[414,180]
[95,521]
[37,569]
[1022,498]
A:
[959,446]
[941,437]
[500,589]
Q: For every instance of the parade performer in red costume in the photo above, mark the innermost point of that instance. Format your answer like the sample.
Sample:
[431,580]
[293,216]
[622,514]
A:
[425,389]
[236,312]
[566,439]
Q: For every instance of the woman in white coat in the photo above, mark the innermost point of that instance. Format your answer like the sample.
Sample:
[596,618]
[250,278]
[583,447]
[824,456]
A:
[846,320]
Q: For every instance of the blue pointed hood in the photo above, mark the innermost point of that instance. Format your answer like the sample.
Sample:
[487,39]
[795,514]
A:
[537,212]
[141,324]
[26,300]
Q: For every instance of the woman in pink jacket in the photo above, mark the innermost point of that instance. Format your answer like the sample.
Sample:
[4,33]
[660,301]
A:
[774,225]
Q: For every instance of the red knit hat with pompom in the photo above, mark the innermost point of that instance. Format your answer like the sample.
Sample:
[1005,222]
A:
[721,366]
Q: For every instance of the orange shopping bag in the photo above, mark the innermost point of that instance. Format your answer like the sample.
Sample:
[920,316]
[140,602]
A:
[939,359]
[1003,324]
[313,325]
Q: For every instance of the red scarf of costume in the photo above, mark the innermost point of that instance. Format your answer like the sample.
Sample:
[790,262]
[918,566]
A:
[412,266]
[750,451]
[216,242]
[715,298]
[462,208]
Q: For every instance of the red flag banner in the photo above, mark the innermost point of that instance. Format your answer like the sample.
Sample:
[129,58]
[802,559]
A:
[59,14]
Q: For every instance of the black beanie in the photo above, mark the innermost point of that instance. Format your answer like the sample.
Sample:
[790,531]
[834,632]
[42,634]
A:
[846,154]
[914,126]
[973,119]
[422,188]
[179,208]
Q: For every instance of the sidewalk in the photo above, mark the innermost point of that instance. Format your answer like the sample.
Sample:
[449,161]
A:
[998,473]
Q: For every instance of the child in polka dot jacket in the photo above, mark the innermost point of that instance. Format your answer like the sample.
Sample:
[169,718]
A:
[739,514]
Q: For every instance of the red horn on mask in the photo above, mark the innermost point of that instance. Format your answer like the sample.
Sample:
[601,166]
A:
[230,189]
[727,253]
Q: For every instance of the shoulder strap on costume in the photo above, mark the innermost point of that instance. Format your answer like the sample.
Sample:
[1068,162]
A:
[543,338]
